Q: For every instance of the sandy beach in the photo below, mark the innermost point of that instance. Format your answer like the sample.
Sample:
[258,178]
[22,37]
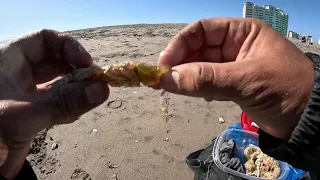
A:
[129,137]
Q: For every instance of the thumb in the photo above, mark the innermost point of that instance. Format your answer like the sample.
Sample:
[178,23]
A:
[34,112]
[72,100]
[214,81]
[64,104]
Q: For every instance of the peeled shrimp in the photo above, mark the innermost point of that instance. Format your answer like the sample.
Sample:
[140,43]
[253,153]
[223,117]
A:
[127,74]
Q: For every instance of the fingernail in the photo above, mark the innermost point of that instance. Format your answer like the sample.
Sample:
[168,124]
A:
[95,93]
[171,81]
[161,54]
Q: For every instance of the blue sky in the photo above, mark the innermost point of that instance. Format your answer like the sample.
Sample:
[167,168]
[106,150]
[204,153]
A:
[19,17]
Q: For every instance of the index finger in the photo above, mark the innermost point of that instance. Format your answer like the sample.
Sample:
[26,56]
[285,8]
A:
[38,45]
[225,35]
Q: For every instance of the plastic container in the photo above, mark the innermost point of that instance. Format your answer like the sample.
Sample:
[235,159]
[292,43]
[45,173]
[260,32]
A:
[242,139]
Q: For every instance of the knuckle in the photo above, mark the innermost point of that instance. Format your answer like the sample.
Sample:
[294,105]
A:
[204,77]
[68,103]
[198,82]
[61,103]
[193,35]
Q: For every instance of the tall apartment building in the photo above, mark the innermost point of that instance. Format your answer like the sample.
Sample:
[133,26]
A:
[269,14]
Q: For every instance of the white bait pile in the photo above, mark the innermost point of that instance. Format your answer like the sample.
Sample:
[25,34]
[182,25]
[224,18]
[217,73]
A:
[260,164]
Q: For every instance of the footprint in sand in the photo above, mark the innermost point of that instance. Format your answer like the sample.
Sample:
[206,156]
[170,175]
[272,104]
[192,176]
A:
[80,174]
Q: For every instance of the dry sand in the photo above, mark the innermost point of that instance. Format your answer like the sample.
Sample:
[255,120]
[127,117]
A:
[131,129]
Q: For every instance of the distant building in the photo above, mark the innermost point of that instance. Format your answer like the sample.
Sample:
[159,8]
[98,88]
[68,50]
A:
[269,14]
[294,35]
[319,41]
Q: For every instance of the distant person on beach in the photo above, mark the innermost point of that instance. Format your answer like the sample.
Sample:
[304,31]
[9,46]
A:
[241,60]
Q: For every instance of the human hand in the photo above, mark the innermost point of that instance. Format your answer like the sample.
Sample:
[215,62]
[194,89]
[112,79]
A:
[27,104]
[245,61]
